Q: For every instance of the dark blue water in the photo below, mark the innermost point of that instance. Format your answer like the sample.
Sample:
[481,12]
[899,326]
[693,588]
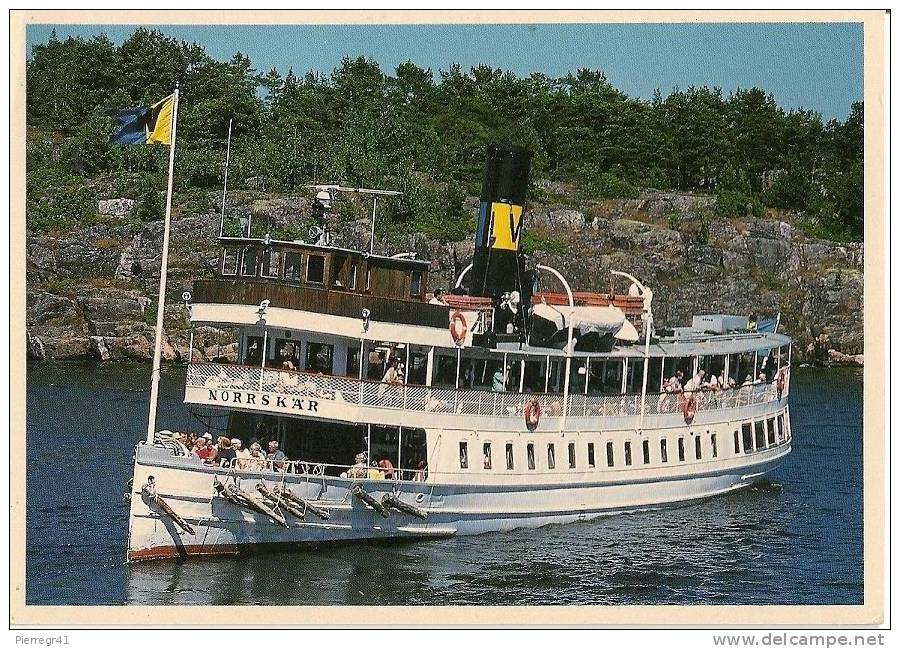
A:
[795,540]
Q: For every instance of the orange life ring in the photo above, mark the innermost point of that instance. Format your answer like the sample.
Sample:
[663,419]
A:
[690,409]
[532,414]
[458,327]
[779,384]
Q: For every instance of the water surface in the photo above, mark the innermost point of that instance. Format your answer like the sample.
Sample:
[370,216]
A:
[794,540]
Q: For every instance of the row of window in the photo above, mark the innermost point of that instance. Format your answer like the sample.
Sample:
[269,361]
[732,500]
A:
[752,436]
[303,267]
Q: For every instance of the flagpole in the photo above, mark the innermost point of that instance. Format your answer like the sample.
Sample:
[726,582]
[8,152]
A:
[225,185]
[161,303]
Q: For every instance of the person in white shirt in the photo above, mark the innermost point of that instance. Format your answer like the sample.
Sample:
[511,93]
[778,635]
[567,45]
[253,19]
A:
[438,297]
[696,382]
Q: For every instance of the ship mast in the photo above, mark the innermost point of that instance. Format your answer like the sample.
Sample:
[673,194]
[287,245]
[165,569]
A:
[161,302]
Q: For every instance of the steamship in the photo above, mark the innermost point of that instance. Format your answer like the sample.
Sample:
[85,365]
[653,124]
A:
[509,400]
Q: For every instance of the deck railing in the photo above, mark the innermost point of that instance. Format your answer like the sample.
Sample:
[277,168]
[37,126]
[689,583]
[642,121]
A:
[479,403]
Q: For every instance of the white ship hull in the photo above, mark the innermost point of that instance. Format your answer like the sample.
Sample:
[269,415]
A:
[221,527]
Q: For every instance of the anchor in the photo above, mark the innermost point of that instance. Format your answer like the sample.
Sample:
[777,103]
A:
[242,499]
[393,502]
[273,500]
[286,494]
[149,490]
[364,496]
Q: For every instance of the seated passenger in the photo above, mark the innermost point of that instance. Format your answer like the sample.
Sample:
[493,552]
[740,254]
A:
[276,456]
[748,380]
[256,461]
[498,383]
[385,464]
[421,468]
[438,297]
[391,375]
[241,454]
[359,469]
[203,451]
[227,454]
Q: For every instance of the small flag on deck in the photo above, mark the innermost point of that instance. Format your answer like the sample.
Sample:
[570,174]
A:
[145,125]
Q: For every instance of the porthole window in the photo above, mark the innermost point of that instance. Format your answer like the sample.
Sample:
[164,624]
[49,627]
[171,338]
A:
[610,454]
[747,435]
[463,455]
[590,455]
[529,454]
[663,451]
[572,455]
[714,445]
[759,434]
[681,449]
[487,455]
[645,445]
[627,453]
[697,450]
[509,457]
[737,442]
[551,456]
[770,432]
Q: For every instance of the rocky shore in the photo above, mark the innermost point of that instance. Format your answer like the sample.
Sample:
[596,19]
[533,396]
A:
[91,292]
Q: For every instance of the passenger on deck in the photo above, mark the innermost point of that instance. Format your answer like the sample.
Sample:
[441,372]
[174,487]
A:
[748,380]
[385,465]
[696,382]
[391,375]
[359,469]
[276,456]
[256,461]
[421,468]
[203,451]
[226,454]
[761,378]
[498,383]
[674,383]
[241,453]
[438,297]
[375,473]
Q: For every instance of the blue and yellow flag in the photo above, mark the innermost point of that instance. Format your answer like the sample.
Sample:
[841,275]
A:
[145,125]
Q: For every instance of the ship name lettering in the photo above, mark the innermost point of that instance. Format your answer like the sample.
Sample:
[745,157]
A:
[279,402]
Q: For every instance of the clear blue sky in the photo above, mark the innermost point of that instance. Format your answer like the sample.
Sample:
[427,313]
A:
[813,65]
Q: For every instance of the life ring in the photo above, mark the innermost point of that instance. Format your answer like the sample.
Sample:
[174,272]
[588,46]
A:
[458,327]
[532,414]
[690,409]
[779,383]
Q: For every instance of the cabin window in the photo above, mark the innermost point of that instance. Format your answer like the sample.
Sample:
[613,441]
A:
[646,449]
[248,263]
[415,284]
[353,355]
[554,376]
[663,451]
[770,424]
[697,448]
[271,262]
[509,457]
[605,376]
[351,277]
[315,269]
[781,431]
[487,455]
[747,435]
[627,453]
[635,377]
[463,455]
[759,434]
[529,450]
[368,279]
[444,372]
[253,350]
[319,358]
[534,376]
[590,455]
[292,265]
[737,442]
[610,454]
[654,375]
[572,455]
[417,368]
[339,272]
[287,354]
[714,444]
[681,449]
[551,456]
[230,261]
